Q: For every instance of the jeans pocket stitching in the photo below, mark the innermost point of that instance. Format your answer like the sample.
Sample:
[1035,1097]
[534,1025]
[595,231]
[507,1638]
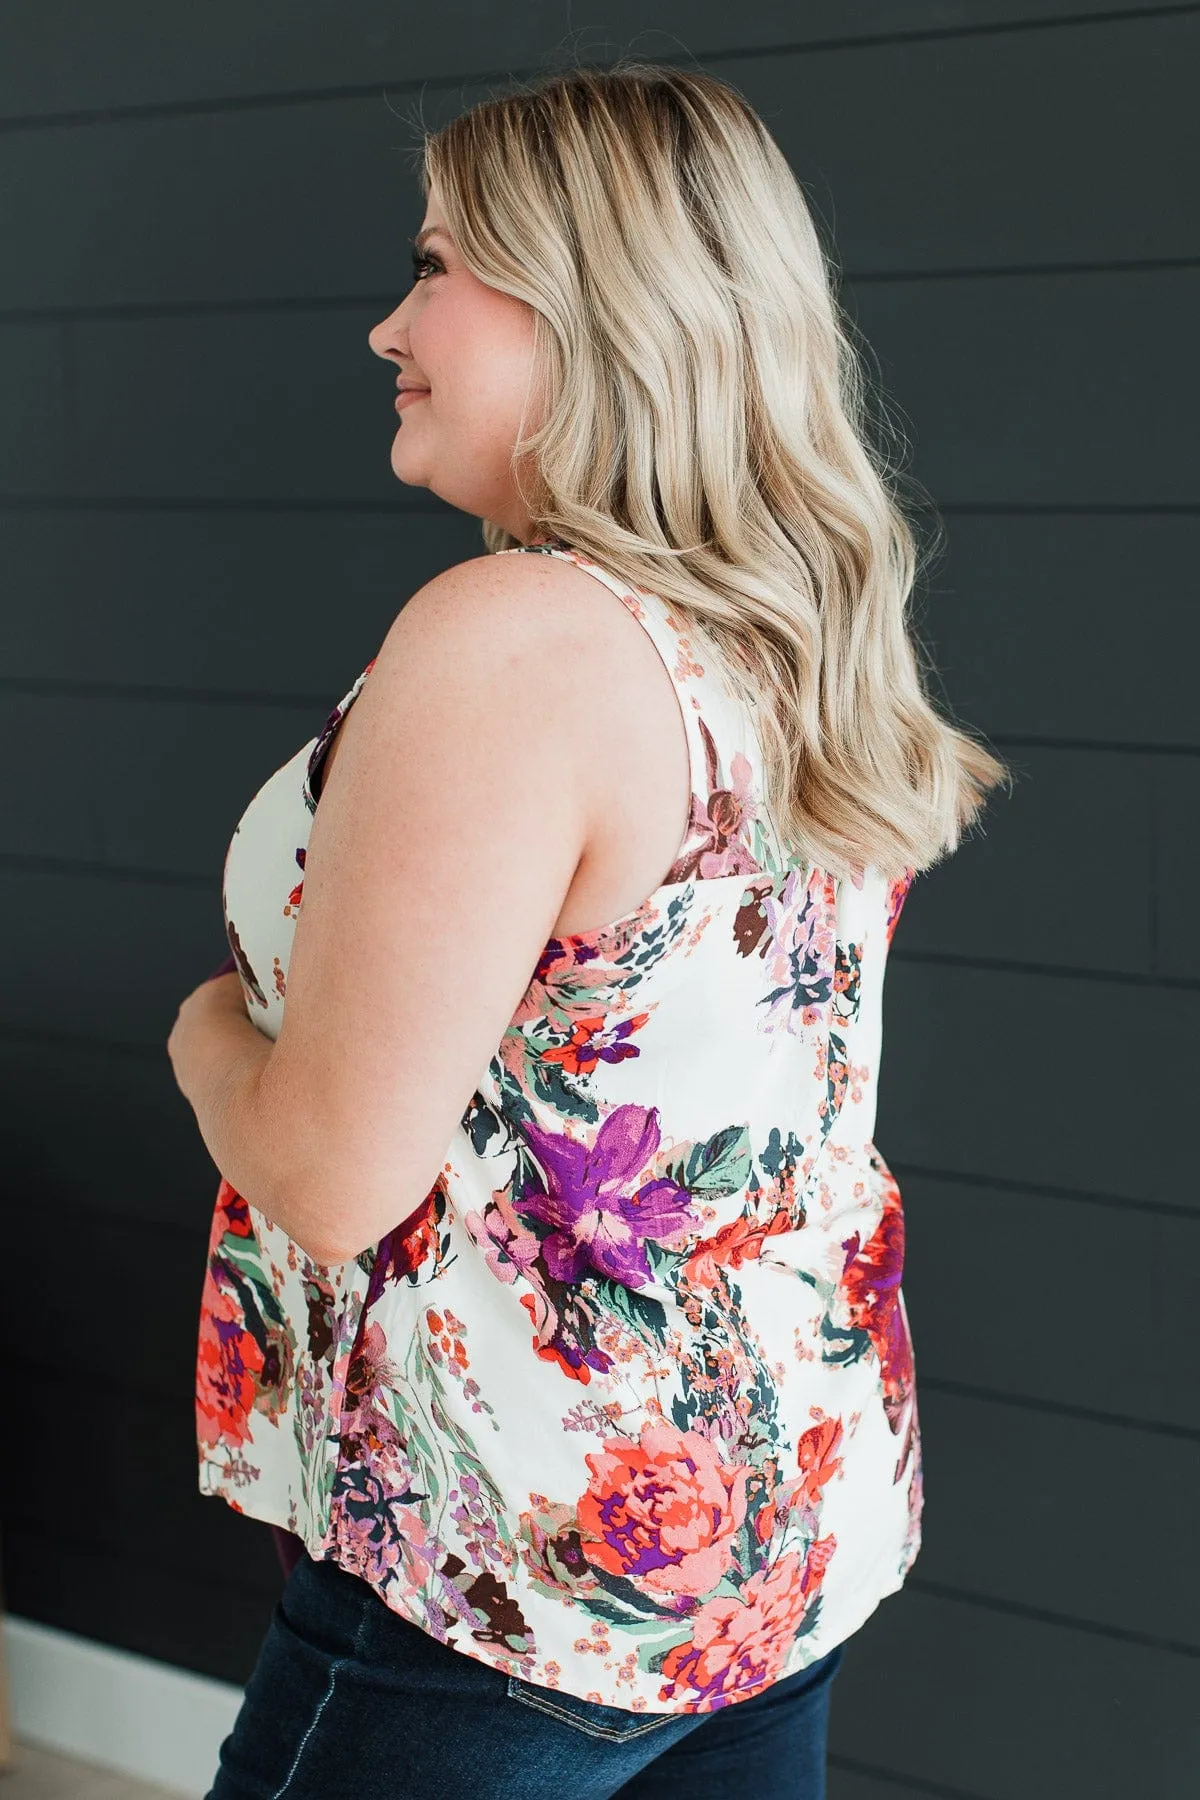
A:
[594,1728]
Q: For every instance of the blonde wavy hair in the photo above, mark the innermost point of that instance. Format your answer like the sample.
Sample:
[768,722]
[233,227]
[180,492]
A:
[704,432]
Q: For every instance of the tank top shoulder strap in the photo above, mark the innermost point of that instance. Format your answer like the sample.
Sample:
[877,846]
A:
[722,739]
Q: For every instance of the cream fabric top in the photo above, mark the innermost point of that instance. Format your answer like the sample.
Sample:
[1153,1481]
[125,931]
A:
[628,1408]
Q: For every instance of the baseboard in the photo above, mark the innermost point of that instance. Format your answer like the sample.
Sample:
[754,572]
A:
[124,1712]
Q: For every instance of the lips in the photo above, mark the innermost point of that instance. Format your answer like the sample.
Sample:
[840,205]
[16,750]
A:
[407,394]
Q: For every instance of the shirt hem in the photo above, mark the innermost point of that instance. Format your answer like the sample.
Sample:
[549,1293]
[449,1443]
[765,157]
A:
[324,1548]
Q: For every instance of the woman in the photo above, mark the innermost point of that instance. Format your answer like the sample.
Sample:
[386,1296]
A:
[553,1299]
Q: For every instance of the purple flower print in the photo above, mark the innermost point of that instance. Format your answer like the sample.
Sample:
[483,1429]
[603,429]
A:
[601,1212]
[510,1250]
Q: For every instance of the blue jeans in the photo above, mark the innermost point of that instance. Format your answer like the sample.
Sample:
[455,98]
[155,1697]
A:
[349,1701]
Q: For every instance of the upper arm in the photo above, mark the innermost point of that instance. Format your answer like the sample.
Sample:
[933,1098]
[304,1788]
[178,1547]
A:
[446,838]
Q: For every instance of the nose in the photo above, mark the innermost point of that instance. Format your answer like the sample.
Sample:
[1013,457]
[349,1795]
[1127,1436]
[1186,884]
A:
[382,337]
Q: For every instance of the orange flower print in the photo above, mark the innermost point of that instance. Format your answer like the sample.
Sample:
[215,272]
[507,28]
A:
[407,1246]
[739,1241]
[896,896]
[292,904]
[739,1644]
[662,1512]
[445,1339]
[231,1215]
[818,1461]
[228,1360]
[594,1040]
[816,1456]
[870,1282]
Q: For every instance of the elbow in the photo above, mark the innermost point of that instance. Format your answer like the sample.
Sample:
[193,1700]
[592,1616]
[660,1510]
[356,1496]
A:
[324,1252]
[316,1228]
[335,1221]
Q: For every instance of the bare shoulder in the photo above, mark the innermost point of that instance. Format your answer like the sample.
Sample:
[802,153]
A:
[553,672]
[513,600]
[501,642]
[559,628]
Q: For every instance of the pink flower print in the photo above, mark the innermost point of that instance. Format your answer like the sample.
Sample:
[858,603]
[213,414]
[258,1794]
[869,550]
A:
[662,1512]
[799,950]
[724,818]
[739,1645]
[508,1246]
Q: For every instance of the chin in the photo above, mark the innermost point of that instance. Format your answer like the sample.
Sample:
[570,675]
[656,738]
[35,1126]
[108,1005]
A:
[405,473]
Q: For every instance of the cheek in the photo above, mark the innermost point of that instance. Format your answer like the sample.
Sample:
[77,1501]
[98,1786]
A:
[475,353]
[449,358]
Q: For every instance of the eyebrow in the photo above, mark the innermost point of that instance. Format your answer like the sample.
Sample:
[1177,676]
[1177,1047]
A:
[428,232]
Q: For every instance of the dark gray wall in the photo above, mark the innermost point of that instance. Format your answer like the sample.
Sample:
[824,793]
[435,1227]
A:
[204,213]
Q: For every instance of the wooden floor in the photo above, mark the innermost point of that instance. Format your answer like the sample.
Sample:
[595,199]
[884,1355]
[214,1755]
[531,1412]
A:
[42,1775]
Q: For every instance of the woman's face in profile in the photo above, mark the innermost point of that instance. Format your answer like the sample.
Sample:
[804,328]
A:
[469,349]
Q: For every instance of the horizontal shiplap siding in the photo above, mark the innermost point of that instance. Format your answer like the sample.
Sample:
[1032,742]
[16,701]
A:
[203,215]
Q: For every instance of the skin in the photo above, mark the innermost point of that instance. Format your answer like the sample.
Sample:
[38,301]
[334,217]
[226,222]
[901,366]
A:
[472,347]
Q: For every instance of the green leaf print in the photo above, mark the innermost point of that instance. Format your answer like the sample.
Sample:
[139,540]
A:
[549,1082]
[439,1450]
[663,1263]
[780,1156]
[715,1168]
[843,1343]
[466,1462]
[622,1593]
[601,1607]
[245,1267]
[646,1316]
[481,1124]
[654,1652]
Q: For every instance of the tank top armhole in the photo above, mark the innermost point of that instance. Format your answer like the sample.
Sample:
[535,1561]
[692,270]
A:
[650,610]
[314,767]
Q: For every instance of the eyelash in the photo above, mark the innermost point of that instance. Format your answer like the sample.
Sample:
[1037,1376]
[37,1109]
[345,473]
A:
[423,260]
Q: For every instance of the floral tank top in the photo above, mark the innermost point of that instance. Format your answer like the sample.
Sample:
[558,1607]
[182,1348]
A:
[627,1409]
